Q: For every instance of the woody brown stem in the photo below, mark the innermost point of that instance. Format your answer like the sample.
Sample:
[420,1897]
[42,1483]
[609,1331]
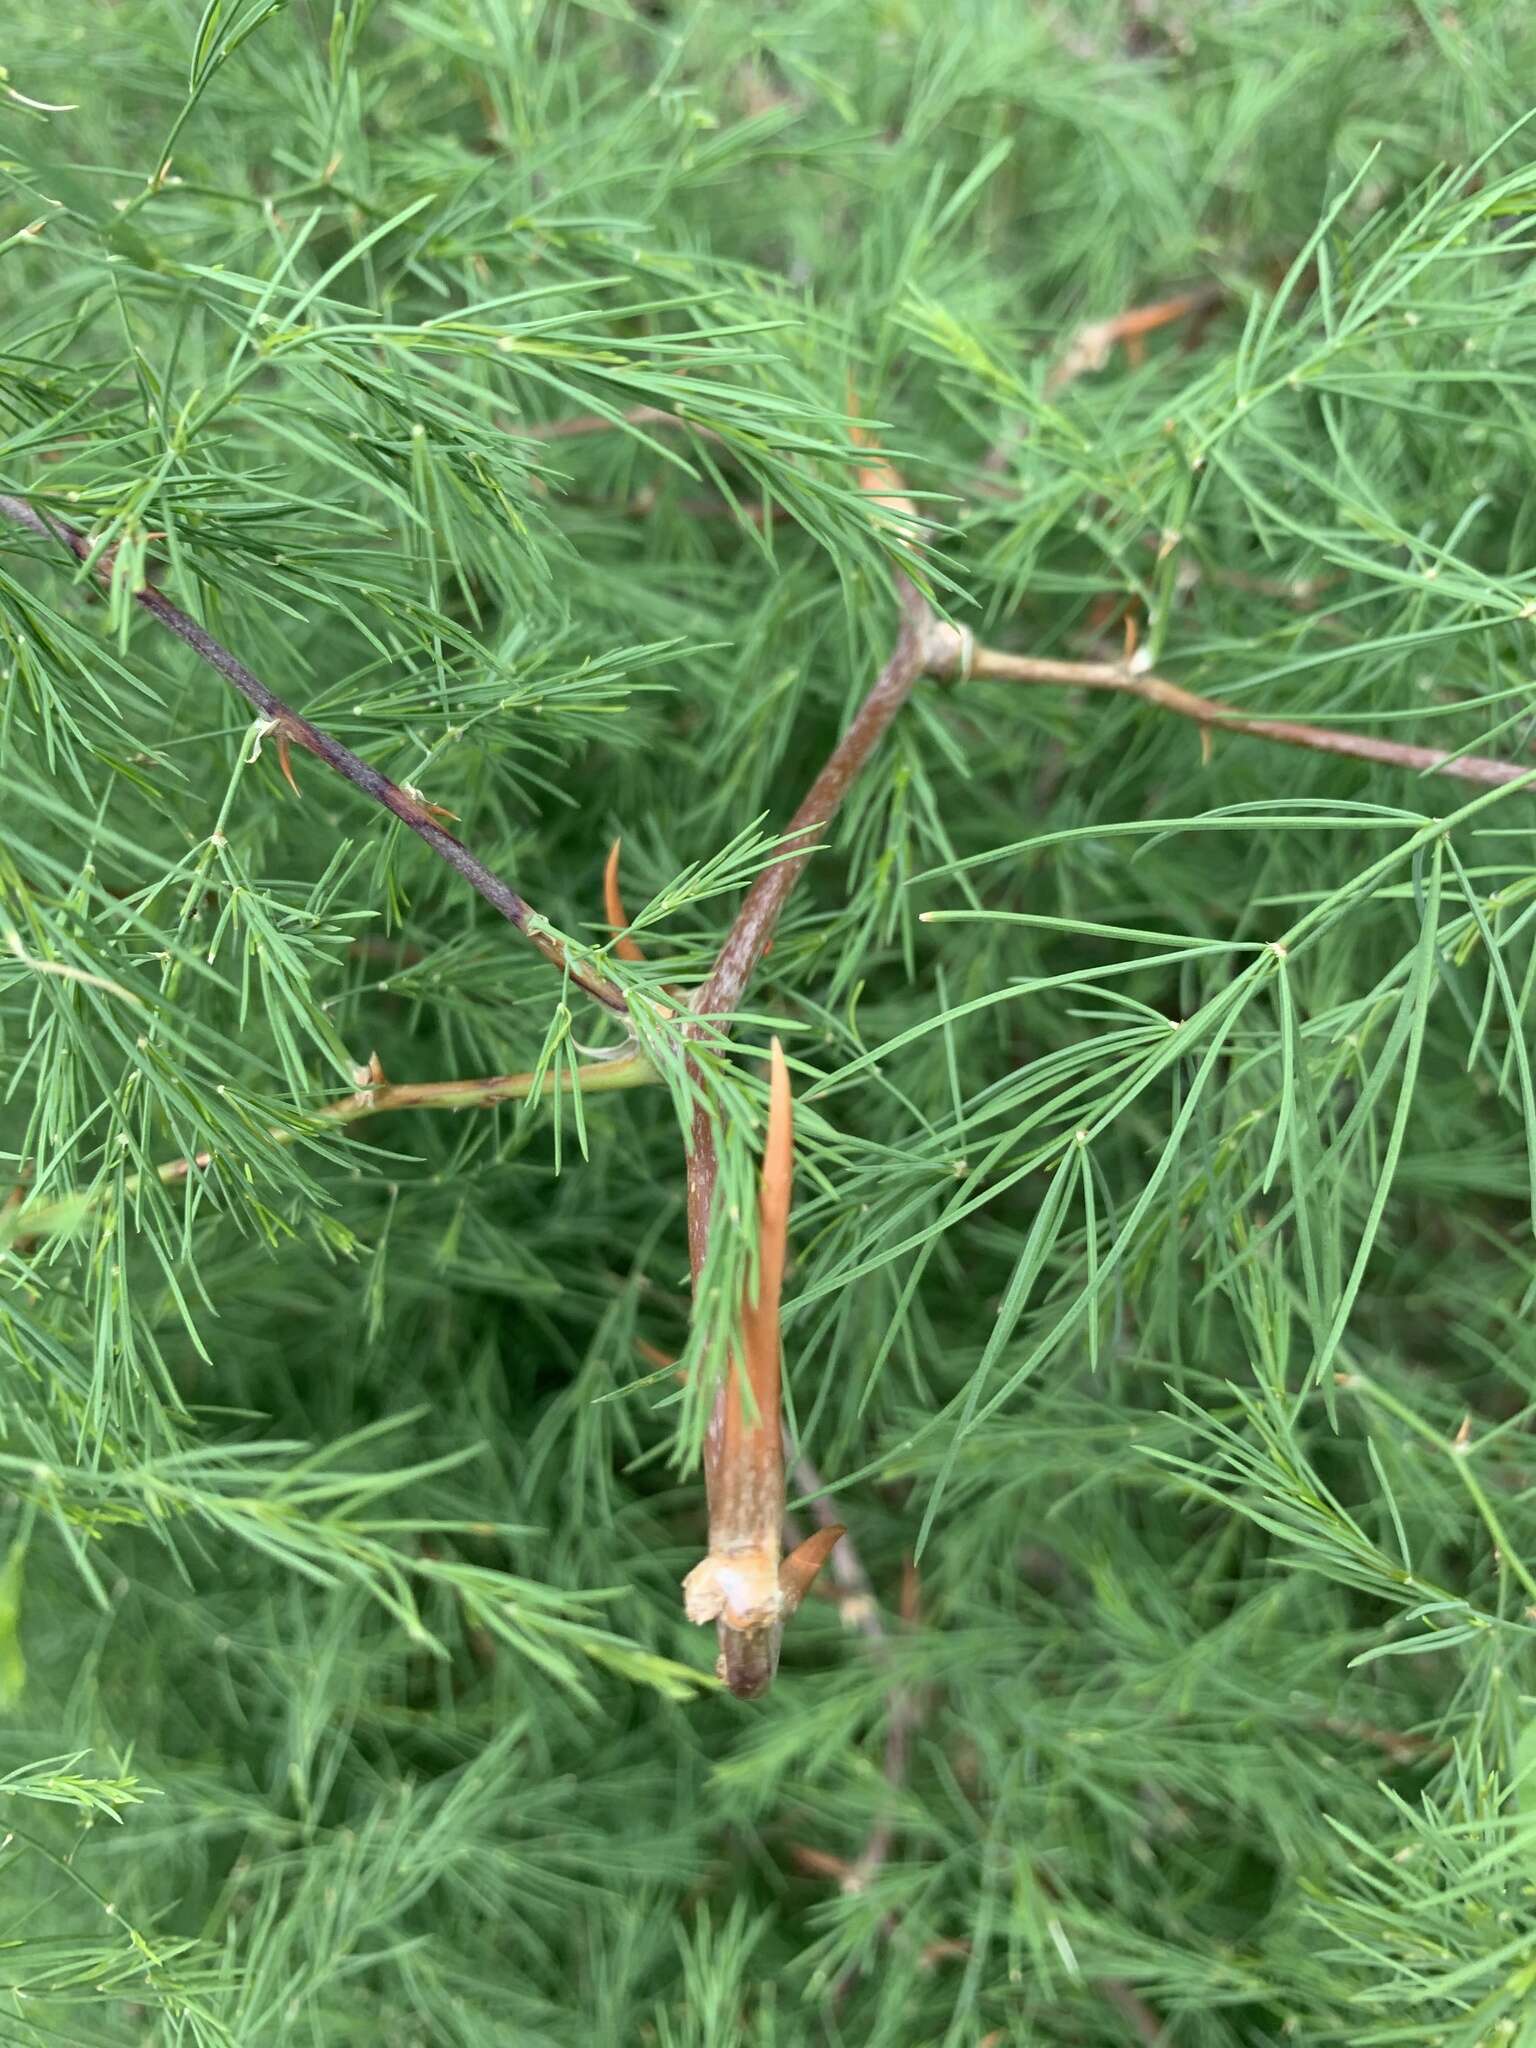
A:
[374,1097]
[745,1586]
[751,932]
[291,729]
[951,656]
[1091,343]
[947,656]
[743,1661]
[754,923]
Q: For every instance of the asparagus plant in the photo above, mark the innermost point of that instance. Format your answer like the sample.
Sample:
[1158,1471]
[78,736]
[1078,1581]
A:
[1022,524]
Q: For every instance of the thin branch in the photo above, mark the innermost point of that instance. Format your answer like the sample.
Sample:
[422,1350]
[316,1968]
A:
[752,930]
[903,1719]
[1135,2011]
[1399,1748]
[748,938]
[860,1610]
[745,943]
[947,654]
[1132,2008]
[951,656]
[746,1586]
[290,728]
[377,1097]
[627,1067]
[1090,346]
[374,1096]
[1301,593]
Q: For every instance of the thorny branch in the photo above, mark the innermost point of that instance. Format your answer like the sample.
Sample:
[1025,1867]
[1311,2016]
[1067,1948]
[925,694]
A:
[942,651]
[745,1585]
[22,1221]
[741,1661]
[743,1454]
[952,655]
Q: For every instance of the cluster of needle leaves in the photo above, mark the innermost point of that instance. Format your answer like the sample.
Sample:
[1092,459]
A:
[489,377]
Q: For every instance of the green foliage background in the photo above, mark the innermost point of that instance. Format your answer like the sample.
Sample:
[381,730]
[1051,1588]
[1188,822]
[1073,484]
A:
[1163,1252]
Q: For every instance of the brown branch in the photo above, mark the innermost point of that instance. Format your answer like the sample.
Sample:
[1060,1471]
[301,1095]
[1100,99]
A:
[741,1660]
[1398,1748]
[745,1585]
[860,1610]
[378,1097]
[395,952]
[751,933]
[945,657]
[754,924]
[905,1719]
[374,1096]
[851,1587]
[1090,345]
[1132,2008]
[1136,2013]
[951,656]
[292,729]
[1301,593]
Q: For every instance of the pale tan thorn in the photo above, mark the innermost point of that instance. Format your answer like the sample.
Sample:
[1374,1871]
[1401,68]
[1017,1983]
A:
[285,763]
[877,479]
[760,1319]
[797,1574]
[613,905]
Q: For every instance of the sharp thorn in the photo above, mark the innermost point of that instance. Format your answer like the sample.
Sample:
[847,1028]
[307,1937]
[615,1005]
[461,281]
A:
[613,905]
[799,1571]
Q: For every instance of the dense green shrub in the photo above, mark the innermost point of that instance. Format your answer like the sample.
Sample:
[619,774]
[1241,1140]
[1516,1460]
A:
[1160,1312]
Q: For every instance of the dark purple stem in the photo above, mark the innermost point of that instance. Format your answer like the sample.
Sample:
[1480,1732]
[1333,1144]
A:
[290,726]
